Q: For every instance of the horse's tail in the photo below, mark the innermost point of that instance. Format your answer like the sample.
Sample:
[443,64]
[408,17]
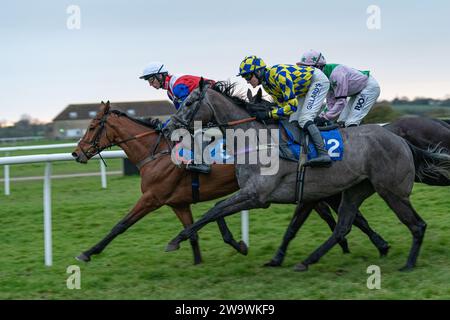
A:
[432,166]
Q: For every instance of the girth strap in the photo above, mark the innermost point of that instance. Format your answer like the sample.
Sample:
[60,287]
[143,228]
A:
[301,170]
[195,187]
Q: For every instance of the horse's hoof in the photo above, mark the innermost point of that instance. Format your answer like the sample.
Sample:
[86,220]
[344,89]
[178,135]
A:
[272,263]
[384,251]
[406,269]
[197,262]
[243,249]
[172,247]
[83,257]
[301,267]
[344,246]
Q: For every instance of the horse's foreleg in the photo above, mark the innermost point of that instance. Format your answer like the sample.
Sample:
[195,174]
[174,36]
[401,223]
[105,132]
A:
[184,214]
[145,205]
[325,213]
[302,212]
[351,200]
[238,202]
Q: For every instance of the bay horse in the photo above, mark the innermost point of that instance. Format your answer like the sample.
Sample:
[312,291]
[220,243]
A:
[375,160]
[162,182]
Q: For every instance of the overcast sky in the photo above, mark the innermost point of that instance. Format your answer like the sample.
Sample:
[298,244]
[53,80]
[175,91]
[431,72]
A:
[45,66]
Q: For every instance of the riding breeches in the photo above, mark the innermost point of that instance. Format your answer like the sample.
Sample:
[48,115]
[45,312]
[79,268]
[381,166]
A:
[359,105]
[310,105]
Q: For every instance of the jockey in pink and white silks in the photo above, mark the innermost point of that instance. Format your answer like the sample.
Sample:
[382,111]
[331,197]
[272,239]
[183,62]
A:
[359,86]
[178,89]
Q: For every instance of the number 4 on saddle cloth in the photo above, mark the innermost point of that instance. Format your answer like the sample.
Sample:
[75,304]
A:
[217,152]
[290,147]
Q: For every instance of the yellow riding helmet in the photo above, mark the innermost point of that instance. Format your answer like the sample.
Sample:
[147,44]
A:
[250,64]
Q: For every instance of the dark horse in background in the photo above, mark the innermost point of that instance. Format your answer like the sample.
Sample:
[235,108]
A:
[423,132]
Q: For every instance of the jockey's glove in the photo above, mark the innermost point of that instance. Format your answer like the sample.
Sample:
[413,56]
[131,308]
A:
[321,122]
[262,115]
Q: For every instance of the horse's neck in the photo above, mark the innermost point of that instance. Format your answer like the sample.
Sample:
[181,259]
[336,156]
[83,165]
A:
[140,148]
[226,110]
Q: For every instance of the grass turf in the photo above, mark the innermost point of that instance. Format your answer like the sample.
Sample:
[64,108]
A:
[135,265]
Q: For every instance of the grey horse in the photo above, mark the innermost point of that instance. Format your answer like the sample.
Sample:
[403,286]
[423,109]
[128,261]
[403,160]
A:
[375,160]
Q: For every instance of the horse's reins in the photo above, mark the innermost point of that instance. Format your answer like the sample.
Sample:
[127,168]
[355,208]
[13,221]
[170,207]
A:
[236,122]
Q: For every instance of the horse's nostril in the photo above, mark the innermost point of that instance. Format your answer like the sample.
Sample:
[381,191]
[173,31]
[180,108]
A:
[74,154]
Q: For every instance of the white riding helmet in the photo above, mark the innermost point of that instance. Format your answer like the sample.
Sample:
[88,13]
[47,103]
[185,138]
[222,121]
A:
[152,69]
[312,58]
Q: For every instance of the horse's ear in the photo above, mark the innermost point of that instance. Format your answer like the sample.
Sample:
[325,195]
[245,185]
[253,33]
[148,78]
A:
[249,95]
[104,107]
[258,97]
[201,84]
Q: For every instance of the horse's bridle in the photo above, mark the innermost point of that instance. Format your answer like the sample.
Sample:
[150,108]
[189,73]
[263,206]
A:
[196,105]
[94,143]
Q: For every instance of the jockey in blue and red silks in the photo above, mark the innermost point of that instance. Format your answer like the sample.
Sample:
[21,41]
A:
[178,89]
[178,86]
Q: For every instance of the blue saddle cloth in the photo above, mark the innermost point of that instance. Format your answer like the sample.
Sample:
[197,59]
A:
[217,154]
[332,139]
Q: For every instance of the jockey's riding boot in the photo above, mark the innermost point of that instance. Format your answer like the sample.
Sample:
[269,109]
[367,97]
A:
[322,159]
[199,167]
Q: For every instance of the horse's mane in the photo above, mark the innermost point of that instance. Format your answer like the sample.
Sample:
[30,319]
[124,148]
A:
[150,122]
[228,89]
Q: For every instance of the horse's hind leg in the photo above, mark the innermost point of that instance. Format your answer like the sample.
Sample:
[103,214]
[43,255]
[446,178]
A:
[301,213]
[184,214]
[145,205]
[378,241]
[351,200]
[361,223]
[406,213]
[228,238]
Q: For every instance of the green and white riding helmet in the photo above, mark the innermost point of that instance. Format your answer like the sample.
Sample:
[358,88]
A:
[312,58]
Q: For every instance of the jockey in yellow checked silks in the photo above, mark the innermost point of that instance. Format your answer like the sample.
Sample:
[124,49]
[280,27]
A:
[299,92]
